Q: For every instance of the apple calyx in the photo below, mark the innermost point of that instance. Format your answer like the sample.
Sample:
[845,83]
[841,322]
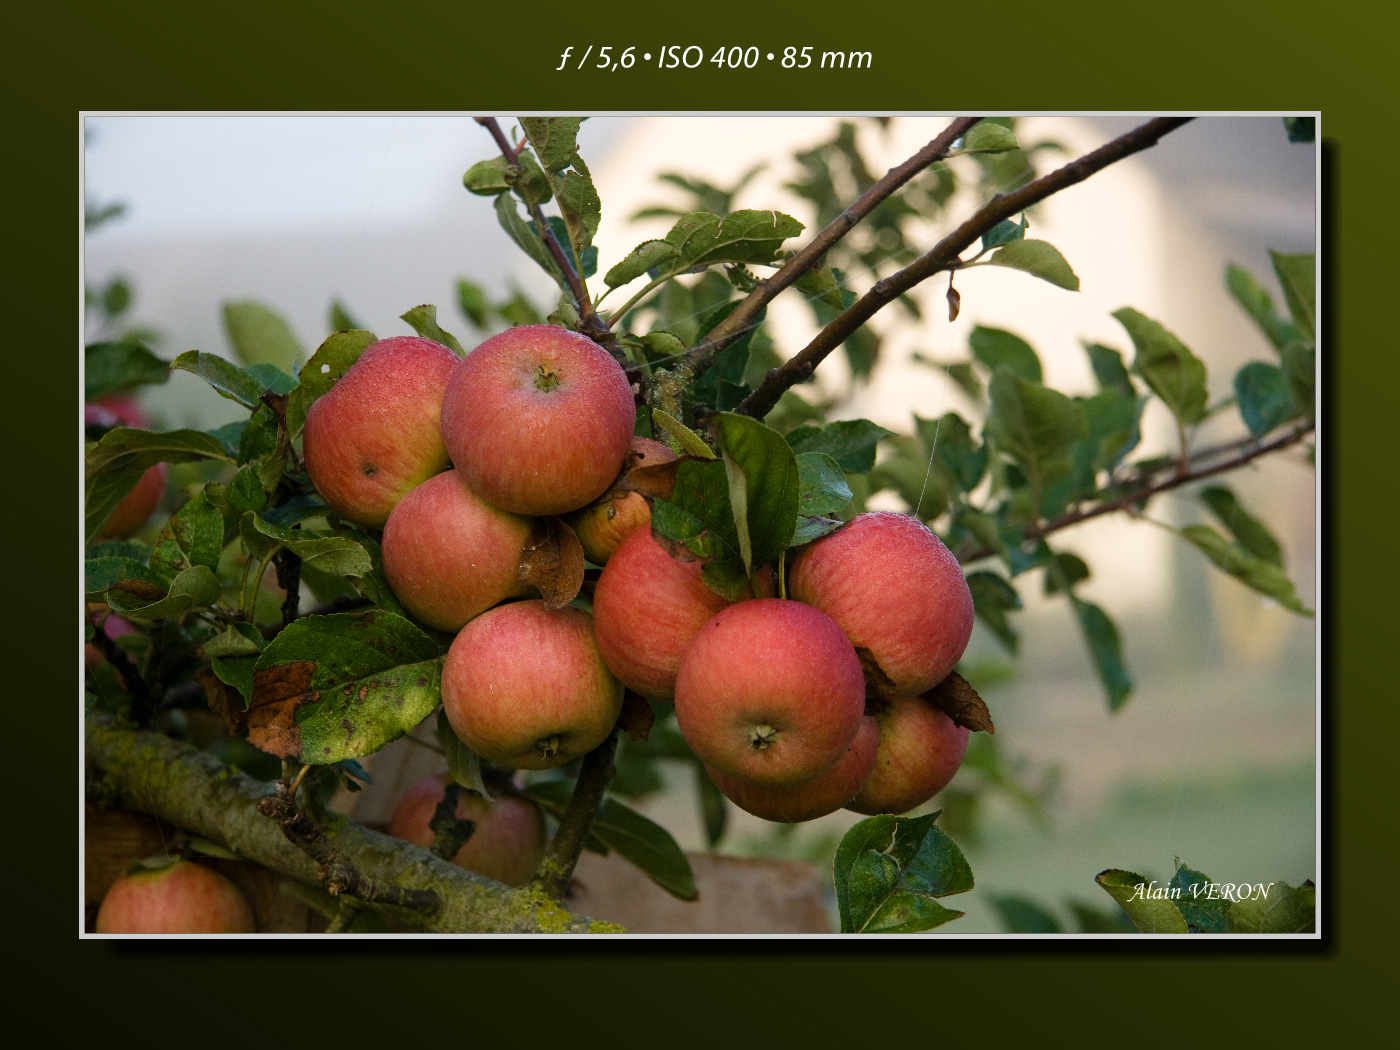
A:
[761,737]
[549,746]
[546,379]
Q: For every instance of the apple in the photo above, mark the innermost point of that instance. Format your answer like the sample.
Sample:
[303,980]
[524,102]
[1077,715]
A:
[920,750]
[449,555]
[526,688]
[896,591]
[140,503]
[507,845]
[647,608]
[606,522]
[816,798]
[374,436]
[770,692]
[539,420]
[182,897]
[110,625]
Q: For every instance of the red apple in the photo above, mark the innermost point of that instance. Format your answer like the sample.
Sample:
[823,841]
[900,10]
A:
[920,750]
[449,555]
[896,591]
[111,626]
[374,436]
[140,503]
[538,419]
[507,845]
[605,523]
[816,798]
[770,692]
[525,687]
[647,609]
[182,898]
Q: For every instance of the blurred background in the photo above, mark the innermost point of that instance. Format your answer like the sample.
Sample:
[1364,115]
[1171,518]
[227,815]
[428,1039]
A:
[1212,759]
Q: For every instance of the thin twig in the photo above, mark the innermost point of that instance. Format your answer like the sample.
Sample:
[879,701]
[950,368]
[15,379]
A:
[592,325]
[944,256]
[557,868]
[966,555]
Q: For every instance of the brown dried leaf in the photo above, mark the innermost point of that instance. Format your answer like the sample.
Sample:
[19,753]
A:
[637,716]
[552,561]
[271,715]
[147,592]
[960,702]
[879,689]
[224,700]
[656,481]
[954,303]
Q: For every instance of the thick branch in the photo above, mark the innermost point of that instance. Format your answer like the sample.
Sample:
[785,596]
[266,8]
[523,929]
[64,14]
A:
[557,868]
[336,872]
[593,327]
[701,356]
[944,256]
[1252,452]
[145,772]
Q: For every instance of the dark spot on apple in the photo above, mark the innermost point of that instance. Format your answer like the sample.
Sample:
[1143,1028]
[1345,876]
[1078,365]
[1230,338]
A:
[369,470]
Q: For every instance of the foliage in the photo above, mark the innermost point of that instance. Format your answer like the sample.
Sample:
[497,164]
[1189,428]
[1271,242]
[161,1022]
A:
[996,488]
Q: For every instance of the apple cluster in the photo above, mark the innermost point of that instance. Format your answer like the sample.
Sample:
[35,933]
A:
[796,705]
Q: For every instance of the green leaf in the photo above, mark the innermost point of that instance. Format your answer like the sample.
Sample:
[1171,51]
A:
[1034,425]
[1263,576]
[191,589]
[331,360]
[820,284]
[115,464]
[1201,911]
[224,376]
[102,573]
[120,365]
[703,239]
[1107,364]
[330,552]
[989,137]
[636,839]
[1146,904]
[690,442]
[487,178]
[698,516]
[1300,129]
[822,487]
[229,436]
[950,440]
[472,302]
[1023,915]
[763,487]
[1005,232]
[341,319]
[1064,571]
[194,536]
[1257,303]
[1101,636]
[889,870]
[1038,258]
[462,762]
[245,492]
[992,598]
[1253,535]
[270,377]
[1264,397]
[554,139]
[260,335]
[714,807]
[851,442]
[528,179]
[525,237]
[1283,910]
[237,639]
[583,210]
[358,718]
[423,320]
[1298,276]
[1299,366]
[996,348]
[646,256]
[349,646]
[236,671]
[259,437]
[1175,375]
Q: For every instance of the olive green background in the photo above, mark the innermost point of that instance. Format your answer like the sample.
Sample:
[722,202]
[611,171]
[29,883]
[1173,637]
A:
[259,56]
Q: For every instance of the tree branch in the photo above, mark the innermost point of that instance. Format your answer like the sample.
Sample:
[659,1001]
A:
[1178,478]
[145,772]
[592,324]
[449,833]
[557,868]
[944,256]
[701,356]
